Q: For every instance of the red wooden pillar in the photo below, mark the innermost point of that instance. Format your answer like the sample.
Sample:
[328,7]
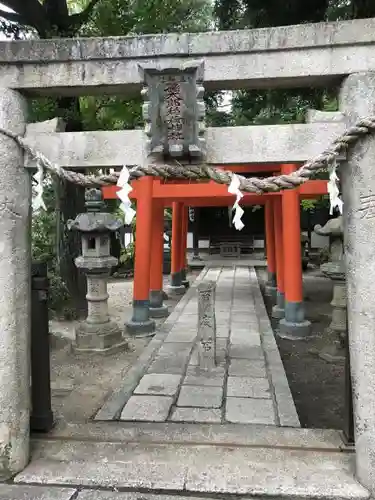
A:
[176,285]
[278,308]
[293,325]
[141,324]
[271,286]
[184,232]
[157,309]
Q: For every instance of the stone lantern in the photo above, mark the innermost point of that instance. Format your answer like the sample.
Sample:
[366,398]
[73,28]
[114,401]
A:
[335,270]
[97,333]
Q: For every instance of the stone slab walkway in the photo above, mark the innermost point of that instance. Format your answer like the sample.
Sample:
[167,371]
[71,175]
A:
[248,385]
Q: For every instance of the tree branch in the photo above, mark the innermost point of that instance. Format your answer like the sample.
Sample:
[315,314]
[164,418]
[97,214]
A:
[78,20]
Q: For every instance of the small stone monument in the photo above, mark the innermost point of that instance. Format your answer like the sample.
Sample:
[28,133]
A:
[335,270]
[97,333]
[206,325]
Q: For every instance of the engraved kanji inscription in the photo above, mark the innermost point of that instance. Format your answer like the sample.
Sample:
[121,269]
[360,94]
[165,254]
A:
[206,325]
[367,206]
[174,111]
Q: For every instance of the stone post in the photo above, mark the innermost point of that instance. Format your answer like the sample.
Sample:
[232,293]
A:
[97,334]
[357,100]
[335,271]
[206,325]
[15,296]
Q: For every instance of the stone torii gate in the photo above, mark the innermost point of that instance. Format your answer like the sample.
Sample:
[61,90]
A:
[307,55]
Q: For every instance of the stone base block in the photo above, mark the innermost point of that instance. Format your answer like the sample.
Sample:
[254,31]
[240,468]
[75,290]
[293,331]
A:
[157,309]
[141,325]
[271,291]
[294,331]
[159,312]
[174,290]
[140,328]
[197,257]
[278,312]
[334,353]
[185,283]
[104,338]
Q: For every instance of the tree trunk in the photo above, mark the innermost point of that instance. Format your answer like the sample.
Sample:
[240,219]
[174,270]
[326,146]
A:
[70,202]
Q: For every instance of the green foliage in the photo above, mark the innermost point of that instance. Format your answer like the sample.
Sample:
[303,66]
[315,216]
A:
[43,248]
[127,256]
[317,203]
[131,17]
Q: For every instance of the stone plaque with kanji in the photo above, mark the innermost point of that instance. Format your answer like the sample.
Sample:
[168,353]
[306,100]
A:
[174,111]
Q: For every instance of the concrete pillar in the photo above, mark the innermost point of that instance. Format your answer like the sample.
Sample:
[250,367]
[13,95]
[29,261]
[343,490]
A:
[271,286]
[294,325]
[141,325]
[357,100]
[157,308]
[278,310]
[15,265]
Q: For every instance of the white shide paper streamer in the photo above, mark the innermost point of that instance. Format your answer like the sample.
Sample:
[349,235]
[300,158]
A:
[38,202]
[123,195]
[234,188]
[333,190]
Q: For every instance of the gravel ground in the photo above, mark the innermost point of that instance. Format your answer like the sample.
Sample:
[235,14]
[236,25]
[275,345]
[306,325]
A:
[318,387]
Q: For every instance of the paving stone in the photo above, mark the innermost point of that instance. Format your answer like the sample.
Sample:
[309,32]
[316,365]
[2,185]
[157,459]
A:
[249,411]
[222,333]
[244,336]
[20,492]
[200,397]
[247,387]
[247,368]
[147,408]
[196,376]
[245,351]
[171,358]
[162,384]
[194,360]
[198,415]
[182,333]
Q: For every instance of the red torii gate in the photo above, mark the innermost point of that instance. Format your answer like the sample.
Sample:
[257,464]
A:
[282,227]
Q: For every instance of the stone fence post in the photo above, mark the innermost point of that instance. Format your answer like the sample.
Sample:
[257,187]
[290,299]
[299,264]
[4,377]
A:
[15,283]
[206,325]
[357,100]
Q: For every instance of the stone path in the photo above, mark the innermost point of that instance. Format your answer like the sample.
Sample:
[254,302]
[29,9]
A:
[247,386]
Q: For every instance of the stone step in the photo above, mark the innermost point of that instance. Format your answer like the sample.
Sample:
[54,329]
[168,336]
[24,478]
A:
[192,469]
[21,492]
[190,433]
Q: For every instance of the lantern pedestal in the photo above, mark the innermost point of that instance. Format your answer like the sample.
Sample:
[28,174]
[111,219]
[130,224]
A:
[97,333]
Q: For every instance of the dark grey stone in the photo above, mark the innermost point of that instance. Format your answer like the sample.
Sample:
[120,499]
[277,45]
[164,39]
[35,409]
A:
[278,310]
[20,492]
[141,328]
